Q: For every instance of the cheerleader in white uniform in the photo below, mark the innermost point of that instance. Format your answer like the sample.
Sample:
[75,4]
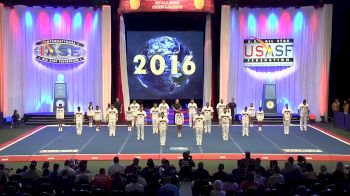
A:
[245,122]
[79,119]
[141,117]
[112,118]
[129,118]
[98,118]
[179,121]
[163,126]
[60,116]
[199,127]
[192,109]
[225,119]
[90,114]
[251,111]
[134,107]
[260,118]
[155,115]
[287,116]
[207,110]
[164,107]
[220,109]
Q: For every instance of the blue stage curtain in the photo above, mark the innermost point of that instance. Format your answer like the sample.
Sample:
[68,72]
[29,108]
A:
[29,83]
[308,79]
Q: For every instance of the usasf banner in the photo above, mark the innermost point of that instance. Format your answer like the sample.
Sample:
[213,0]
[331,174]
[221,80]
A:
[268,52]
[127,6]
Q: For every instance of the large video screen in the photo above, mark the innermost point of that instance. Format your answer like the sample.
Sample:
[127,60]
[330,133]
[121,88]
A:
[165,64]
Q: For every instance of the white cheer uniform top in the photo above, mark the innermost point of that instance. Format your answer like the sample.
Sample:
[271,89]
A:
[192,108]
[163,108]
[220,107]
[60,113]
[79,115]
[245,115]
[155,112]
[129,115]
[179,118]
[163,122]
[287,114]
[140,117]
[251,111]
[225,118]
[98,115]
[304,109]
[207,112]
[112,114]
[90,111]
[134,107]
[199,121]
[260,115]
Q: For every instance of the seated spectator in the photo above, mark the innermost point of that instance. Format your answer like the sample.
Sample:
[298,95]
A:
[133,185]
[166,170]
[276,178]
[149,170]
[71,172]
[66,182]
[249,183]
[291,172]
[131,169]
[82,163]
[324,175]
[32,174]
[44,183]
[200,172]
[15,119]
[217,189]
[186,164]
[36,167]
[170,188]
[140,179]
[339,173]
[118,181]
[248,162]
[54,175]
[84,177]
[153,186]
[220,174]
[239,173]
[230,185]
[301,163]
[261,168]
[4,176]
[102,180]
[269,171]
[309,172]
[116,167]
[259,179]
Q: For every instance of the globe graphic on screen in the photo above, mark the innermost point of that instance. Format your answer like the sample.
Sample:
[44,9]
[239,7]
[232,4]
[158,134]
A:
[166,83]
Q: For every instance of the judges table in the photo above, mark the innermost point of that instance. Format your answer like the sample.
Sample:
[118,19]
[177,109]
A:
[342,120]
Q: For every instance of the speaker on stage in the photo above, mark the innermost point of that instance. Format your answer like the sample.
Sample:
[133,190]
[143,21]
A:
[60,96]
[269,98]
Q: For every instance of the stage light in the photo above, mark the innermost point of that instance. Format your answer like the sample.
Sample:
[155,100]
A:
[298,21]
[29,19]
[272,21]
[95,20]
[77,21]
[57,19]
[251,24]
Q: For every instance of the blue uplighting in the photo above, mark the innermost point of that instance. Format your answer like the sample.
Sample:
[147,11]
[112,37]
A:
[273,22]
[29,19]
[57,20]
[298,21]
[77,21]
[251,23]
[95,21]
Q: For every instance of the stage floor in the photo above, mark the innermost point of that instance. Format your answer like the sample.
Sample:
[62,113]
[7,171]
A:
[46,143]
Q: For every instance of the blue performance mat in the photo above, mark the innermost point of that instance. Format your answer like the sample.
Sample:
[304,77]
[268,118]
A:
[46,143]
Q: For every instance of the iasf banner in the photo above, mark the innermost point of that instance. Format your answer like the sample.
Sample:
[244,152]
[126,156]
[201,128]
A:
[268,52]
[126,6]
